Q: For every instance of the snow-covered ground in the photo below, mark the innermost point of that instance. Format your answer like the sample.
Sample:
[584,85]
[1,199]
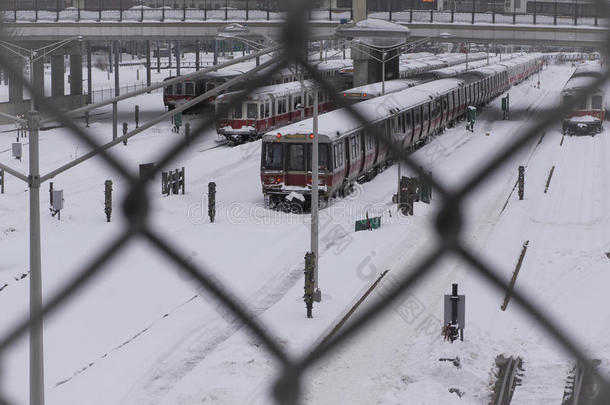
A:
[142,333]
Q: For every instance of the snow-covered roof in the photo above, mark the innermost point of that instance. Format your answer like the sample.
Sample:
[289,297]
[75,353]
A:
[338,122]
[374,89]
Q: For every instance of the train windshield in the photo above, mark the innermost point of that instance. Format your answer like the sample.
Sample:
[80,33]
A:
[322,157]
[272,158]
[296,156]
[221,108]
[252,110]
[596,102]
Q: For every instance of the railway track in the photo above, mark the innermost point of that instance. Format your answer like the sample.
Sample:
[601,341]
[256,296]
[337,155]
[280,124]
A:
[509,377]
[581,388]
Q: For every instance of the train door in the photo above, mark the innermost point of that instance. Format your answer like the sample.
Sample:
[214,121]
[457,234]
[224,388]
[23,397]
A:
[408,120]
[347,156]
[417,123]
[426,119]
[272,101]
[450,106]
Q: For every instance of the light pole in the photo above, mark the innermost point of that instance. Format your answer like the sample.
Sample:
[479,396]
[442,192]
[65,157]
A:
[36,332]
[314,196]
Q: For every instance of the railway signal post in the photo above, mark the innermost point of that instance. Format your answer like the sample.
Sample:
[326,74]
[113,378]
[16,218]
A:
[455,314]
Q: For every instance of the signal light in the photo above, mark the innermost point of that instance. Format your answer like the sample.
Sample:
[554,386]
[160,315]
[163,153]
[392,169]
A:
[364,95]
[279,135]
[278,180]
[310,136]
[344,95]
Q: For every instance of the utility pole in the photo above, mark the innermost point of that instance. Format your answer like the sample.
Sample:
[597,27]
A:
[314,195]
[383,73]
[36,336]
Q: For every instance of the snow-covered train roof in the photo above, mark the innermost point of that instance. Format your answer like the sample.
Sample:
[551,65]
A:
[277,90]
[374,89]
[338,122]
[588,69]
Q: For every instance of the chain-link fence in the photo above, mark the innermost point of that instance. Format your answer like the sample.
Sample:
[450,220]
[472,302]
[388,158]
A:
[449,222]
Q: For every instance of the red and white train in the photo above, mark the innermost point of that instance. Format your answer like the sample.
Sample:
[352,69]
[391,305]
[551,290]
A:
[271,107]
[181,93]
[347,153]
[277,105]
[586,117]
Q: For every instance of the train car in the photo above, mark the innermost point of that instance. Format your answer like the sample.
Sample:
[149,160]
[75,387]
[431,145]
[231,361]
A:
[588,116]
[373,90]
[181,93]
[410,68]
[271,107]
[347,153]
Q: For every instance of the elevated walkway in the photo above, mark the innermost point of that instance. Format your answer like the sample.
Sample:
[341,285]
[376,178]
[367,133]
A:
[518,34]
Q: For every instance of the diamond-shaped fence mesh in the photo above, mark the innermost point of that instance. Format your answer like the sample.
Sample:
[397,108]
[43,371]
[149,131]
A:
[448,224]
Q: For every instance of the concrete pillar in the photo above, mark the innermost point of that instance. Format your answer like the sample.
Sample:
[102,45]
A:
[57,75]
[38,77]
[15,85]
[148,76]
[359,10]
[76,75]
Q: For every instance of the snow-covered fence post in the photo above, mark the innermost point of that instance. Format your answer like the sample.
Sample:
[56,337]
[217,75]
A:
[212,200]
[51,193]
[108,199]
[1,181]
[124,133]
[137,114]
[310,264]
[87,119]
[521,181]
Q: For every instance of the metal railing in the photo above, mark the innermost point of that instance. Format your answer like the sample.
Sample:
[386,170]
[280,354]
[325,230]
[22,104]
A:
[448,225]
[100,95]
[458,13]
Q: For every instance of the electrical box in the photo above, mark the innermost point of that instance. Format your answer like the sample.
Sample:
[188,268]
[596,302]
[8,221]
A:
[472,114]
[17,150]
[58,200]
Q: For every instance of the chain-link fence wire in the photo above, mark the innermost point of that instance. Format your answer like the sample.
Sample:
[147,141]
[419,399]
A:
[449,222]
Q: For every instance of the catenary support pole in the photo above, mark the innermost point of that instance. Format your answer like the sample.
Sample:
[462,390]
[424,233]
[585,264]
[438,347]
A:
[197,56]
[117,91]
[36,340]
[89,75]
[314,193]
[148,74]
[177,50]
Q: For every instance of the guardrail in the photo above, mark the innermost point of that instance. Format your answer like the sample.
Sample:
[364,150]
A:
[137,14]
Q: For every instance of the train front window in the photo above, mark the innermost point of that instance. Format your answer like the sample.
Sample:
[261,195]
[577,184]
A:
[323,161]
[221,108]
[296,157]
[273,156]
[251,109]
[178,88]
[596,102]
[168,90]
[189,89]
[582,105]
[237,113]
